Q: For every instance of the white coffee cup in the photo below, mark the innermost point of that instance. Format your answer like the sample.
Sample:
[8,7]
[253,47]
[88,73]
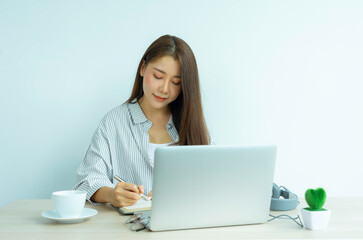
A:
[69,204]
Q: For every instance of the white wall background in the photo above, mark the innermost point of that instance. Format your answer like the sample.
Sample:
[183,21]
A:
[284,72]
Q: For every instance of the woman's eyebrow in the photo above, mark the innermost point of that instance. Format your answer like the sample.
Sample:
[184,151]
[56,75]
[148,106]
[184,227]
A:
[159,70]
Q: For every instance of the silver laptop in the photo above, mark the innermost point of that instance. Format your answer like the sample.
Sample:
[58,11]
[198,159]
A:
[210,186]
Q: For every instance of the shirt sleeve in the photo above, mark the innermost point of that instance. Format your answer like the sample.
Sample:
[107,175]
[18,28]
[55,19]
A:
[96,169]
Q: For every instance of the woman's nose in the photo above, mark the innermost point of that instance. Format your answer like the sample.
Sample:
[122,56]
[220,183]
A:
[165,87]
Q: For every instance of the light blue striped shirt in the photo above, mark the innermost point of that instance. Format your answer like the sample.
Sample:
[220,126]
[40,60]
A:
[120,147]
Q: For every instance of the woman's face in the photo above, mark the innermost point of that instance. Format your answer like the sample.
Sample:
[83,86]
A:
[162,82]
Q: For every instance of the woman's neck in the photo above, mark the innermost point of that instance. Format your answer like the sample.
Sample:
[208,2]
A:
[154,115]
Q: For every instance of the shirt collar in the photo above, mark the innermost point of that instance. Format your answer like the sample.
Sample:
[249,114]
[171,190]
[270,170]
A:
[170,123]
[138,115]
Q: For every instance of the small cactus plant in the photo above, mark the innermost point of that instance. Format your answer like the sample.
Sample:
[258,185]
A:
[315,199]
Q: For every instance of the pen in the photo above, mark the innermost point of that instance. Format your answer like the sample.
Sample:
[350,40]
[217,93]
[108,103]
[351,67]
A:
[142,195]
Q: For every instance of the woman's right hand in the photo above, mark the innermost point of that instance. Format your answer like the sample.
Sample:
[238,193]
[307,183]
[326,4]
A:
[125,194]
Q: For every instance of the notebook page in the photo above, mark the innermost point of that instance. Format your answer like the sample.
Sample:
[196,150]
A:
[139,204]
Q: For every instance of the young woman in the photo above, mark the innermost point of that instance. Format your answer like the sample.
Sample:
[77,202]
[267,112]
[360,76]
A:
[164,109]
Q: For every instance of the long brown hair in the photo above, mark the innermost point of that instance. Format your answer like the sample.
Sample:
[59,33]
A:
[187,109]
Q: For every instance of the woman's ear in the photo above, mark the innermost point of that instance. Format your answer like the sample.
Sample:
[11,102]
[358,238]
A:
[142,69]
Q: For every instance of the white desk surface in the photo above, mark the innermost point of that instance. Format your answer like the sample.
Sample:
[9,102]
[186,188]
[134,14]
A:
[22,220]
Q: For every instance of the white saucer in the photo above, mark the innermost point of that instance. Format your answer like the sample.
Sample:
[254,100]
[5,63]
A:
[53,215]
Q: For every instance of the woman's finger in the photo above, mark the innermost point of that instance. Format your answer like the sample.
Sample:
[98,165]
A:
[130,195]
[131,187]
[141,189]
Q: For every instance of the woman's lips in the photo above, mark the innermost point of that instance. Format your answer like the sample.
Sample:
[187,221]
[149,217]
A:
[160,99]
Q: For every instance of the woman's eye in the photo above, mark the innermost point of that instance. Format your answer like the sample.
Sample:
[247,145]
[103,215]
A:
[175,83]
[157,77]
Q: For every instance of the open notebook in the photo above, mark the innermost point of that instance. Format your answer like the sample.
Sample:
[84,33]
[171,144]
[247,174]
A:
[141,205]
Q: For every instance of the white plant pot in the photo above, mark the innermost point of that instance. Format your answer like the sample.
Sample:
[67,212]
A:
[315,220]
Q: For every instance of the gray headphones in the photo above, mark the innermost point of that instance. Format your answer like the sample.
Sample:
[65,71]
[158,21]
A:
[288,202]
